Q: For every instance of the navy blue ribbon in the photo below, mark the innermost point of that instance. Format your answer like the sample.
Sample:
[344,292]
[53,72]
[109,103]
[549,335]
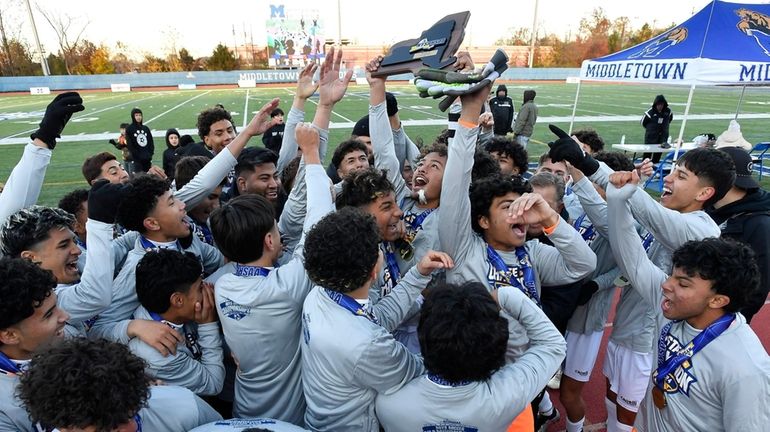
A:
[441,381]
[245,270]
[528,287]
[7,366]
[80,243]
[589,233]
[202,231]
[392,272]
[190,337]
[351,304]
[149,246]
[663,376]
[414,221]
[647,241]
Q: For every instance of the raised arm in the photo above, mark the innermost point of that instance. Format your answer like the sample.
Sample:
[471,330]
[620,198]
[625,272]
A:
[305,89]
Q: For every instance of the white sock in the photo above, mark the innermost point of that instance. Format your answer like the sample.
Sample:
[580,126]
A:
[612,415]
[575,427]
[546,406]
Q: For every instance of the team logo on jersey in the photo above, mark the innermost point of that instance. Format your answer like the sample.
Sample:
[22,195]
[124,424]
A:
[756,25]
[683,377]
[234,310]
[141,138]
[661,43]
[449,426]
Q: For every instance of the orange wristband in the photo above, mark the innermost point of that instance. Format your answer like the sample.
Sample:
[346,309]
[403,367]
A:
[467,124]
[549,230]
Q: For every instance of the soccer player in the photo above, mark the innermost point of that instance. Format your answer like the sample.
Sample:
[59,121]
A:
[81,385]
[469,385]
[710,371]
[511,156]
[259,304]
[348,352]
[171,291]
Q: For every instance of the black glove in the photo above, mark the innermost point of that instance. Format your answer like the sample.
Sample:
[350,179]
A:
[586,291]
[391,104]
[567,149]
[104,199]
[57,114]
[113,142]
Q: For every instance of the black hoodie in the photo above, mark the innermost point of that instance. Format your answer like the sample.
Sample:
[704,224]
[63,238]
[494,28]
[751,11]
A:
[502,111]
[169,156]
[140,143]
[748,220]
[656,122]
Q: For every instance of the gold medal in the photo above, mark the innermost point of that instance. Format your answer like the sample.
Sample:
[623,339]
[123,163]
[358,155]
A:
[658,397]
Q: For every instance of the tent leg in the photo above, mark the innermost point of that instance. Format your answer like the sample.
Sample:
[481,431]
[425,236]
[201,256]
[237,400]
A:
[574,107]
[678,143]
[740,102]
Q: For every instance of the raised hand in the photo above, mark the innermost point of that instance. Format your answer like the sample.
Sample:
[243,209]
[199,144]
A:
[104,199]
[622,185]
[566,148]
[57,114]
[331,87]
[433,260]
[262,121]
[205,310]
[371,67]
[531,208]
[305,85]
[464,62]
[308,140]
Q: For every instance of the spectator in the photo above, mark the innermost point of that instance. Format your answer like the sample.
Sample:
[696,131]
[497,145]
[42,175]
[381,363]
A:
[502,111]
[655,122]
[139,142]
[169,157]
[525,121]
[273,137]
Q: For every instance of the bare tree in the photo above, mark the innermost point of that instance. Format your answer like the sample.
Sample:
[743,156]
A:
[69,34]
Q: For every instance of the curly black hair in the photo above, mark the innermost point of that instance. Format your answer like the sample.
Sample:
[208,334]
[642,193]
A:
[240,225]
[161,273]
[73,201]
[139,200]
[618,161]
[81,383]
[484,165]
[729,265]
[346,147]
[26,228]
[484,191]
[462,335]
[23,287]
[436,147]
[253,156]
[515,151]
[342,249]
[210,116]
[187,168]
[364,187]
[713,167]
[590,138]
[92,166]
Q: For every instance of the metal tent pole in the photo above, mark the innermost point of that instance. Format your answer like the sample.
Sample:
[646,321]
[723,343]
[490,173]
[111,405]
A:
[684,122]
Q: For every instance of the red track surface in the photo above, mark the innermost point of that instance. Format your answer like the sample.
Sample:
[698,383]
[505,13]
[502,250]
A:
[593,392]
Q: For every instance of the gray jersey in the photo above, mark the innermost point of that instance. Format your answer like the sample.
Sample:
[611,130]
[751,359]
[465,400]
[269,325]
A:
[175,409]
[633,326]
[13,416]
[112,324]
[485,406]
[342,375]
[260,317]
[24,184]
[203,376]
[240,424]
[722,387]
[569,261]
[207,179]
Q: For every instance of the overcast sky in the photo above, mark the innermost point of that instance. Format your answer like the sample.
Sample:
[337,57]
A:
[152,25]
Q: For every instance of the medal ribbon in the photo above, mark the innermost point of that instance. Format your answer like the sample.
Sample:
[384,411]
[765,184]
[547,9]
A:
[523,263]
[351,304]
[666,367]
[588,233]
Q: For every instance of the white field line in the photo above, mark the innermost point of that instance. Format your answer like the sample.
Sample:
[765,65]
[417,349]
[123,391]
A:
[246,109]
[175,107]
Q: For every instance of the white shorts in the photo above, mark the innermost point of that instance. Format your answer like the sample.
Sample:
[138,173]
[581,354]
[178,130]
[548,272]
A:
[628,373]
[582,351]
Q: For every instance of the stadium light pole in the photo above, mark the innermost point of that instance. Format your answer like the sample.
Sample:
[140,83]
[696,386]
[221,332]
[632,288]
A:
[43,60]
[339,24]
[532,38]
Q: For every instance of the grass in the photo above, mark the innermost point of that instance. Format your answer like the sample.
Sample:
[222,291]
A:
[613,110]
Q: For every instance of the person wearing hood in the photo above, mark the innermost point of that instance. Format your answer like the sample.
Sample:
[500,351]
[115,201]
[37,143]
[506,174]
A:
[655,122]
[139,141]
[744,215]
[525,121]
[502,111]
[169,155]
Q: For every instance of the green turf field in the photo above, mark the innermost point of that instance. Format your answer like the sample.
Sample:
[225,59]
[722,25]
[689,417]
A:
[613,110]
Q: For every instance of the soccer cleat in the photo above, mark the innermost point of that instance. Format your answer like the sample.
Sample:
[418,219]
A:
[542,421]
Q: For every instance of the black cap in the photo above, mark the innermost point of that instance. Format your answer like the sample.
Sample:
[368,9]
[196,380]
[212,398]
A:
[362,127]
[743,167]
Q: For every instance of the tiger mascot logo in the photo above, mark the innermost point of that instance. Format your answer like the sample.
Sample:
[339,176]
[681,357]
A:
[756,25]
[653,49]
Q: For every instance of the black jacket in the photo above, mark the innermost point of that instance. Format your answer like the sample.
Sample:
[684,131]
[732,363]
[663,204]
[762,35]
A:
[273,138]
[502,111]
[748,220]
[139,140]
[656,122]
[169,155]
